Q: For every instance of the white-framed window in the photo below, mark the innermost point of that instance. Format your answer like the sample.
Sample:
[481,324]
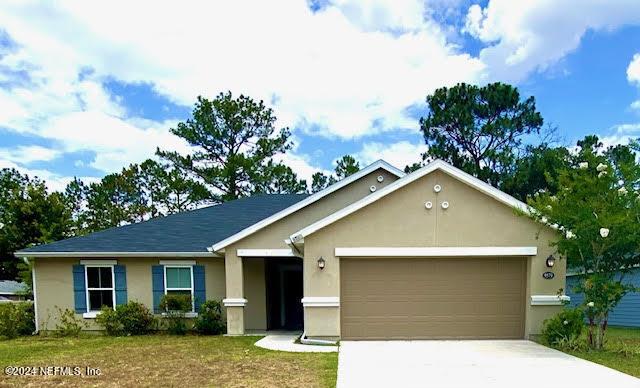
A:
[100,286]
[178,280]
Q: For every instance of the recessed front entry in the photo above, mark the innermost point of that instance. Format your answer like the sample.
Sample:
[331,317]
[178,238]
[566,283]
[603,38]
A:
[284,294]
[430,298]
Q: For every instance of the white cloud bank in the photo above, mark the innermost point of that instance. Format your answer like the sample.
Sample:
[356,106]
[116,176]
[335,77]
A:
[529,35]
[399,154]
[347,71]
[633,75]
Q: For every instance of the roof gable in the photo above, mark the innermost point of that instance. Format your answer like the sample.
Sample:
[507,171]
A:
[402,182]
[380,164]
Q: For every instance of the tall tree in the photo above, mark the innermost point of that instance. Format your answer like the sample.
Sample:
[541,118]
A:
[169,190]
[75,195]
[280,179]
[29,214]
[234,141]
[479,129]
[116,200]
[345,166]
[537,170]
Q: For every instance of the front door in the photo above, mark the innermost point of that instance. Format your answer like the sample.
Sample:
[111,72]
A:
[284,294]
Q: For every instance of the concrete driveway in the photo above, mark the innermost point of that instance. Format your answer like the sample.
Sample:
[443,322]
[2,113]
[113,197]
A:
[468,364]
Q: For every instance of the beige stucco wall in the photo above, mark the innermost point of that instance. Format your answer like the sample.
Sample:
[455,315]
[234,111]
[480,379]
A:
[253,315]
[400,219]
[54,284]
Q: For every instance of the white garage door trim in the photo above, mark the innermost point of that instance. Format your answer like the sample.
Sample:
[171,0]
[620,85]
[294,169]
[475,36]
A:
[435,251]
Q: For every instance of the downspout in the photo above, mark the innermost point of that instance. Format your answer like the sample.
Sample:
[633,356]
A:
[35,293]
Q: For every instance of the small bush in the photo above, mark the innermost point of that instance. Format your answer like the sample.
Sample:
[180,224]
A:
[16,319]
[135,318]
[176,302]
[565,328]
[175,307]
[69,325]
[209,319]
[132,318]
[109,320]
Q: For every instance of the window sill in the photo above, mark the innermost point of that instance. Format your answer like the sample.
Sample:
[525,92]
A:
[91,314]
[186,315]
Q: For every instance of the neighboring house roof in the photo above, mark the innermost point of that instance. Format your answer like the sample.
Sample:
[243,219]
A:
[186,233]
[429,168]
[380,164]
[11,287]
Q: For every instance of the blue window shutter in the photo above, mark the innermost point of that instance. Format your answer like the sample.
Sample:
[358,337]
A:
[120,274]
[199,292]
[79,289]
[157,278]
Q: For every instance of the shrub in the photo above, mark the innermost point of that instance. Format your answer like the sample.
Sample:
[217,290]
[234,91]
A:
[132,318]
[565,328]
[176,302]
[69,325]
[209,319]
[109,320]
[135,318]
[175,307]
[16,319]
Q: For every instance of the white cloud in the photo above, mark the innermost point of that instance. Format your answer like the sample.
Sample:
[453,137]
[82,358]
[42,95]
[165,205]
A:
[398,154]
[342,68]
[346,71]
[54,182]
[28,154]
[116,141]
[380,15]
[621,134]
[529,35]
[633,71]
[300,164]
[633,75]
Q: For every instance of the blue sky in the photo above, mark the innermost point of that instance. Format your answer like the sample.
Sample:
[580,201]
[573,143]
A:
[79,97]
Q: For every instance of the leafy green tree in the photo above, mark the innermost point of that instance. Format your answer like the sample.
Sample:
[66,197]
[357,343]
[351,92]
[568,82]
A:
[234,141]
[597,211]
[170,190]
[29,214]
[537,170]
[75,195]
[319,181]
[116,200]
[479,129]
[345,166]
[280,179]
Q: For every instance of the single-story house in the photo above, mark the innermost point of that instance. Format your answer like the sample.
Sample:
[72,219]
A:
[626,313]
[435,253]
[12,291]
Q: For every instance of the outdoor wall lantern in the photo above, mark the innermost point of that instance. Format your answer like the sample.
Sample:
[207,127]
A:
[551,261]
[321,263]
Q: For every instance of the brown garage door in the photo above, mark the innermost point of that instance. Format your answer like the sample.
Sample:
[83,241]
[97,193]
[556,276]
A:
[389,298]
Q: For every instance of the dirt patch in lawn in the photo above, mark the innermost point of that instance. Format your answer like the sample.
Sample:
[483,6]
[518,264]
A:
[163,360]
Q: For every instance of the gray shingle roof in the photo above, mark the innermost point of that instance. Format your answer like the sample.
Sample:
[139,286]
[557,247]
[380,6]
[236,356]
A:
[191,231]
[12,287]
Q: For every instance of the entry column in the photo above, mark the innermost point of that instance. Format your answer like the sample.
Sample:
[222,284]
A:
[235,301]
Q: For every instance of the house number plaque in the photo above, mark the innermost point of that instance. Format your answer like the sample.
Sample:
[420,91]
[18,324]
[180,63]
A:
[548,275]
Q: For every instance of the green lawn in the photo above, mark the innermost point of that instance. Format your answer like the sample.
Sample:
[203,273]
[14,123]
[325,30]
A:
[163,360]
[621,351]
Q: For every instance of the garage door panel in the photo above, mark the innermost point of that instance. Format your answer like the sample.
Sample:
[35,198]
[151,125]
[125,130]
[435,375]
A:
[398,298]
